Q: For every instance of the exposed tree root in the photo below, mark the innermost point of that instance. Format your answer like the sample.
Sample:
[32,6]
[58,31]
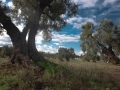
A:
[24,60]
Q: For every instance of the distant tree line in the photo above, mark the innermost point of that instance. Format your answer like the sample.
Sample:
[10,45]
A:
[92,57]
[6,51]
[67,53]
[62,54]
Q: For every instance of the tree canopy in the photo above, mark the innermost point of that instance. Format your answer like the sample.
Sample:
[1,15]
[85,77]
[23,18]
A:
[101,39]
[66,53]
[36,15]
[47,14]
[6,51]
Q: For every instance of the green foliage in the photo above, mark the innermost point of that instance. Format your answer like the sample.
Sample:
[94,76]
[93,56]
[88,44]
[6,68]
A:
[6,51]
[106,33]
[8,82]
[88,57]
[13,77]
[46,14]
[52,8]
[66,53]
[86,77]
[78,75]
[47,65]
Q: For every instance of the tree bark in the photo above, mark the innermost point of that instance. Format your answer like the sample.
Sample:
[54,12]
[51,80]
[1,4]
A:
[33,52]
[20,54]
[18,38]
[23,37]
[15,36]
[109,53]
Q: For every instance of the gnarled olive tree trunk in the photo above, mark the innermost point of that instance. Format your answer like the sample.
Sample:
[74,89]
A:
[32,51]
[14,34]
[20,54]
[19,45]
[108,52]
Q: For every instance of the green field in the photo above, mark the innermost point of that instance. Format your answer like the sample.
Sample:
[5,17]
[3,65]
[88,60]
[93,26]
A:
[73,75]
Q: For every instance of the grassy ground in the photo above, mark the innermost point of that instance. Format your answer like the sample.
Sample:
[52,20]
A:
[3,60]
[73,75]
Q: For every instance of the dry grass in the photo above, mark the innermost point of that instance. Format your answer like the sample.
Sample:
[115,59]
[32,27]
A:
[100,65]
[73,75]
[89,75]
[3,60]
[16,77]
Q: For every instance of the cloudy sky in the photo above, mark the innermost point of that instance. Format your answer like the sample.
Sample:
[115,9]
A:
[89,10]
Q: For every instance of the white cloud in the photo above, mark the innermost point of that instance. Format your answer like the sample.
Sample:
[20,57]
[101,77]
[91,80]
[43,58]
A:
[57,39]
[10,4]
[111,11]
[62,47]
[58,44]
[3,1]
[78,21]
[62,38]
[106,2]
[5,40]
[20,26]
[94,16]
[79,53]
[38,38]
[86,3]
[46,48]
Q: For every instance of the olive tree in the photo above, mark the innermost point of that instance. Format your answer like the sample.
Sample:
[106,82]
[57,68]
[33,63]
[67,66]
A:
[66,53]
[36,15]
[105,39]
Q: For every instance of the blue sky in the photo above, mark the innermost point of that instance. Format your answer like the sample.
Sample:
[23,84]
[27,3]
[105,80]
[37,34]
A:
[89,10]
